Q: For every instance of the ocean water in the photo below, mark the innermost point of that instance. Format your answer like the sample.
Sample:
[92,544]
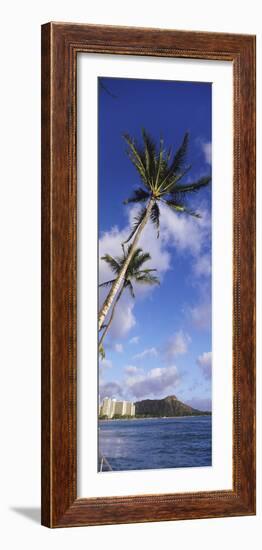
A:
[180,442]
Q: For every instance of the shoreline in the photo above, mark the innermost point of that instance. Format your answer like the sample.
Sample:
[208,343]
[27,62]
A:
[152,417]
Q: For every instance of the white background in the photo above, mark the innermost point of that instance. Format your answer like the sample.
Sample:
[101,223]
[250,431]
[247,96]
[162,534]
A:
[90,482]
[20,273]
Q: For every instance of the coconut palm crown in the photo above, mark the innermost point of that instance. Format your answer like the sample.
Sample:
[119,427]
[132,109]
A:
[134,273]
[161,176]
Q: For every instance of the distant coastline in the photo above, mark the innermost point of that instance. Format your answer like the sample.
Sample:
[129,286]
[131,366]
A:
[168,407]
[207,413]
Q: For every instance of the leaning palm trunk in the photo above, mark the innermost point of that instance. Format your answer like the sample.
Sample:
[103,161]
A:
[111,316]
[120,278]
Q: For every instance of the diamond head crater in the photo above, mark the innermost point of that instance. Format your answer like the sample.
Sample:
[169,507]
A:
[166,407]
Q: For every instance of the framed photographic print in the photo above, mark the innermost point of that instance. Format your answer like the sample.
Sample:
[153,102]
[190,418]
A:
[148,275]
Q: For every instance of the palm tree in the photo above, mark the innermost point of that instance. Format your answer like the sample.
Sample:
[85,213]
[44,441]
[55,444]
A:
[160,174]
[135,272]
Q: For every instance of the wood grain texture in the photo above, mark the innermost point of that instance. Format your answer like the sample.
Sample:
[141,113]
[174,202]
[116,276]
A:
[60,44]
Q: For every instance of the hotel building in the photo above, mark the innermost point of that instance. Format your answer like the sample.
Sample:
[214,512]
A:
[111,407]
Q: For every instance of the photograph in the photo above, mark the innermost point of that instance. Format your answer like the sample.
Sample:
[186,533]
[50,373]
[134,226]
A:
[155,274]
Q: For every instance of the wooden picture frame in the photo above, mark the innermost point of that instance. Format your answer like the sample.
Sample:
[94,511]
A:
[61,43]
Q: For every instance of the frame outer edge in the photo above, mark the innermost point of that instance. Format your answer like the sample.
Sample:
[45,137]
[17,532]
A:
[59,506]
[248,271]
[46,326]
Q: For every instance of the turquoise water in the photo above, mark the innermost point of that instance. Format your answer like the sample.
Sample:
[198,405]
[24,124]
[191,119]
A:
[180,442]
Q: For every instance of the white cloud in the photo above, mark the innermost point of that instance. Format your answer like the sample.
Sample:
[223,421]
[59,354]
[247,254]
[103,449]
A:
[150,352]
[118,348]
[184,232]
[131,369]
[134,340]
[104,364]
[156,382]
[201,315]
[124,319]
[176,345]
[204,361]
[207,150]
[202,265]
[110,389]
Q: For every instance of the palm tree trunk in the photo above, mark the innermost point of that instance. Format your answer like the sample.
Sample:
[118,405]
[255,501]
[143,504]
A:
[112,316]
[120,278]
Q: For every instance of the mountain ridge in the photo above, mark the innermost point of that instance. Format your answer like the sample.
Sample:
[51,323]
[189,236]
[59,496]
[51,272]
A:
[168,406]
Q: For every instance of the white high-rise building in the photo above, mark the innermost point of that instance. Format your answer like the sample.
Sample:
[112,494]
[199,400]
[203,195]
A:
[128,408]
[108,407]
[119,408]
[105,407]
[111,407]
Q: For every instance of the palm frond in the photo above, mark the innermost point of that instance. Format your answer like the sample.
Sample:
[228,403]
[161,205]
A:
[160,163]
[194,186]
[150,155]
[143,271]
[112,262]
[147,279]
[180,155]
[121,259]
[183,173]
[102,351]
[137,158]
[172,181]
[154,216]
[138,220]
[174,169]
[136,253]
[129,285]
[107,283]
[138,260]
[175,205]
[139,195]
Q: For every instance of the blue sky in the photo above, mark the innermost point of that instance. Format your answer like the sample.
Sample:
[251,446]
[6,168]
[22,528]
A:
[160,343]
